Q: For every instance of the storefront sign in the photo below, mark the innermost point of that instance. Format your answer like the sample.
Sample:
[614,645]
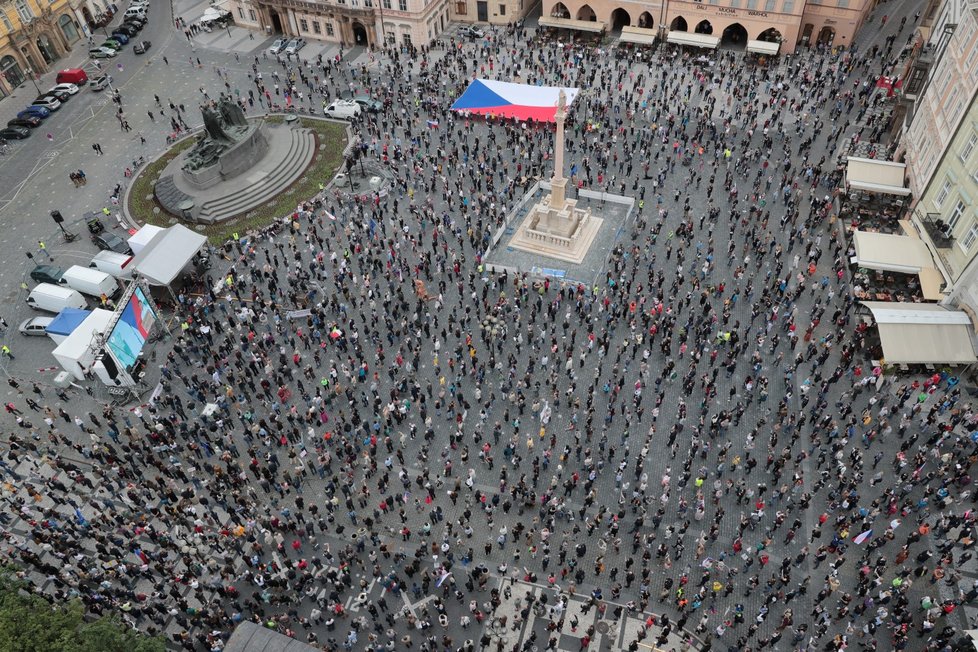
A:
[727,10]
[762,14]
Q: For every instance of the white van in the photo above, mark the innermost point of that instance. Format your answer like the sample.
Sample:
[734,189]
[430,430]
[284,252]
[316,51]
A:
[134,11]
[343,109]
[54,298]
[91,282]
[113,264]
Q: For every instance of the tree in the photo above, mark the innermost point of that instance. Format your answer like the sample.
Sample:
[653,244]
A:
[29,623]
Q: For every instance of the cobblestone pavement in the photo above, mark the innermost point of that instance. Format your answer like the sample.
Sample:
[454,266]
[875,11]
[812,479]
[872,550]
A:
[358,505]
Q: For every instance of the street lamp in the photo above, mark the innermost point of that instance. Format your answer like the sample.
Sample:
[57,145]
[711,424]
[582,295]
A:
[30,74]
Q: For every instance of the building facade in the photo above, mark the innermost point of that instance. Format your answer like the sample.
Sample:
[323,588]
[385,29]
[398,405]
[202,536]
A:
[34,35]
[368,23]
[497,12]
[946,215]
[735,22]
[938,86]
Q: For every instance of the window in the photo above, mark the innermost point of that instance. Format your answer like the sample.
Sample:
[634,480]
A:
[752,4]
[316,29]
[387,4]
[252,15]
[956,214]
[402,5]
[970,236]
[461,8]
[843,4]
[943,193]
[788,6]
[969,147]
[770,5]
[303,25]
[25,13]
[241,13]
[329,29]
[406,38]
[6,21]
[502,10]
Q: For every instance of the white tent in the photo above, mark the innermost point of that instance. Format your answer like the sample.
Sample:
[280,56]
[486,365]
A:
[884,177]
[76,354]
[891,253]
[763,47]
[923,333]
[569,23]
[143,236]
[638,35]
[168,254]
[707,41]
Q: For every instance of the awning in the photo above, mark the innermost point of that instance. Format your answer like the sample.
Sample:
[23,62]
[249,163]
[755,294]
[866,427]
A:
[763,47]
[638,35]
[923,333]
[696,40]
[931,280]
[168,254]
[891,253]
[570,23]
[885,177]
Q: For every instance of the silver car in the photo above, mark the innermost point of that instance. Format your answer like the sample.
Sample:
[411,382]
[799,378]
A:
[294,46]
[35,326]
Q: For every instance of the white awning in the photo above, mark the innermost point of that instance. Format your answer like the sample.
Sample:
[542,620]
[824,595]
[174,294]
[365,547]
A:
[931,280]
[696,40]
[763,47]
[885,177]
[923,333]
[891,253]
[638,35]
[570,23]
[168,254]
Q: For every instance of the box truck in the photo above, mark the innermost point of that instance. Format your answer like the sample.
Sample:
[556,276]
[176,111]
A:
[91,282]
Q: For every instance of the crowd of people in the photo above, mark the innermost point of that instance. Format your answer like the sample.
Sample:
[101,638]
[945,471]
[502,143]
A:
[697,435]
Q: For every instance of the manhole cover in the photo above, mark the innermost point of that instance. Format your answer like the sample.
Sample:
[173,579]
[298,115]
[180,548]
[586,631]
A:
[602,627]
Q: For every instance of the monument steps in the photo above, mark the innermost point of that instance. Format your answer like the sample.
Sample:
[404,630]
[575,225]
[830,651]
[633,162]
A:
[301,149]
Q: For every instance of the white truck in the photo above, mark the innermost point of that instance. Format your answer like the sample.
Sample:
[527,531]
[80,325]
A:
[91,282]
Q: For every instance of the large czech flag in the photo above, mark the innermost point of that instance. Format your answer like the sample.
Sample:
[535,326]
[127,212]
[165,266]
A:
[507,100]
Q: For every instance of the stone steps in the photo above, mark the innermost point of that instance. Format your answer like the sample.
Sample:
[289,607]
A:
[301,149]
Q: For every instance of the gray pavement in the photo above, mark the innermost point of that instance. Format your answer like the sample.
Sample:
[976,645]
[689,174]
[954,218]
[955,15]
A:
[588,496]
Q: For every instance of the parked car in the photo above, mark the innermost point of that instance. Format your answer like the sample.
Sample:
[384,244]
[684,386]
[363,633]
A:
[136,19]
[133,26]
[34,112]
[49,102]
[35,326]
[368,103]
[100,83]
[277,46]
[473,32]
[141,47]
[61,96]
[112,44]
[102,53]
[29,122]
[126,30]
[70,89]
[121,37]
[47,274]
[14,133]
[294,46]
[111,242]
[343,109]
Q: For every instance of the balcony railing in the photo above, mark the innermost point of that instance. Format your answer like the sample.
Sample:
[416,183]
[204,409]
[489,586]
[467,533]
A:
[938,231]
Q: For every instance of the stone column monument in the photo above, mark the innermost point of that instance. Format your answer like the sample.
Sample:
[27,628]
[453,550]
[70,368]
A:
[556,227]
